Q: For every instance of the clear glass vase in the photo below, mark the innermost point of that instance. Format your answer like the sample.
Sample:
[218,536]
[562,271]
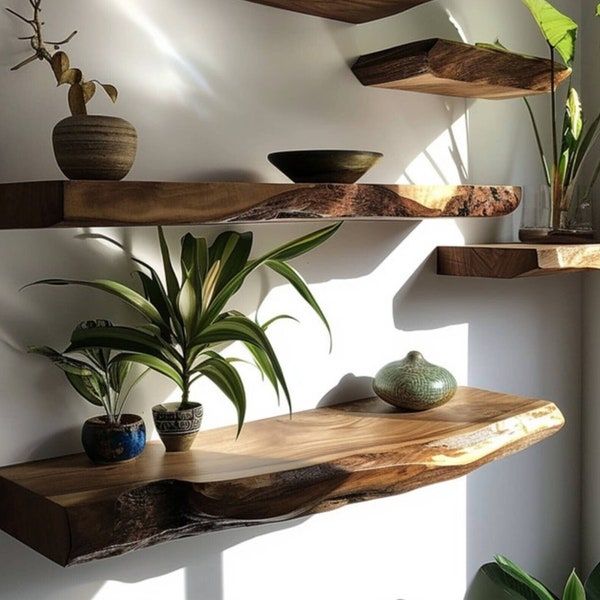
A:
[539,218]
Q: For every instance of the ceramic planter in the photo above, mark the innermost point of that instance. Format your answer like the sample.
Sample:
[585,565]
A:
[177,428]
[414,384]
[94,147]
[105,442]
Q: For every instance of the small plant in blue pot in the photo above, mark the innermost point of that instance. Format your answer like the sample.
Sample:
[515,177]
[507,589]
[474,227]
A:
[104,382]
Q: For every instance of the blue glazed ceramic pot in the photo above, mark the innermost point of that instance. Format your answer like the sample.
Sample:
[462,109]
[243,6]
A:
[106,442]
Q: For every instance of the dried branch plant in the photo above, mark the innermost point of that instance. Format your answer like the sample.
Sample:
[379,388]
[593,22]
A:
[80,90]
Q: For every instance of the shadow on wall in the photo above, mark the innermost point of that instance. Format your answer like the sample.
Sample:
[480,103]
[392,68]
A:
[199,560]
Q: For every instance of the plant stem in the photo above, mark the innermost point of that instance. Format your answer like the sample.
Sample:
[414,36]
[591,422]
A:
[555,191]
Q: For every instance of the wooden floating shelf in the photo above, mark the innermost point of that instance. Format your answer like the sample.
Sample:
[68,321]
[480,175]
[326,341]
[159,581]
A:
[507,261]
[350,11]
[72,512]
[451,68]
[109,203]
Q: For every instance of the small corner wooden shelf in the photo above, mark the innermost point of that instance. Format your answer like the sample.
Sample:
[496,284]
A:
[507,261]
[72,512]
[110,203]
[350,11]
[451,68]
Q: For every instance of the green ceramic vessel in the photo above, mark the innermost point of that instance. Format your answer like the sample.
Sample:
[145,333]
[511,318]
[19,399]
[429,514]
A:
[414,384]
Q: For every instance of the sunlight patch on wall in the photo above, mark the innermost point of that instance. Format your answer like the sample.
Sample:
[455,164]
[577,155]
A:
[445,160]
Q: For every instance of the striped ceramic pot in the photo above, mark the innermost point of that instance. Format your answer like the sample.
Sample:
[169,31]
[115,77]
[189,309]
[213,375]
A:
[414,384]
[177,427]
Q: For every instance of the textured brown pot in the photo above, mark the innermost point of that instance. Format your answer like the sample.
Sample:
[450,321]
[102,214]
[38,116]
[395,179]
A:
[177,428]
[94,147]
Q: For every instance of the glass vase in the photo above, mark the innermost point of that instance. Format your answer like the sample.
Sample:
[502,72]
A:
[541,224]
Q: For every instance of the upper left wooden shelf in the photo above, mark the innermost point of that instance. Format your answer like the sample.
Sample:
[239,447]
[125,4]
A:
[41,204]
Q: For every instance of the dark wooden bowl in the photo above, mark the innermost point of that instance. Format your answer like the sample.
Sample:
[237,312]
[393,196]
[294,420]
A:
[324,166]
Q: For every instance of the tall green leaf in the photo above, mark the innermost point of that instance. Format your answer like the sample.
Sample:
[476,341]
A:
[66,363]
[124,339]
[117,373]
[227,379]
[574,588]
[520,575]
[559,30]
[285,252]
[91,388]
[127,295]
[244,330]
[232,250]
[293,277]
[156,364]
[493,583]
[170,277]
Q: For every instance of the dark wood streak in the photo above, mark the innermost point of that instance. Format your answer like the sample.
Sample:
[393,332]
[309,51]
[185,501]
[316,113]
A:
[279,469]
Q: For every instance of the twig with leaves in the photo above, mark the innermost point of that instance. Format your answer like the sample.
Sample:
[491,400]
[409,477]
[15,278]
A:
[80,90]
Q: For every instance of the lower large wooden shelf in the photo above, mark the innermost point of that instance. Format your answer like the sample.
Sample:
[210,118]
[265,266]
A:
[29,205]
[509,261]
[72,512]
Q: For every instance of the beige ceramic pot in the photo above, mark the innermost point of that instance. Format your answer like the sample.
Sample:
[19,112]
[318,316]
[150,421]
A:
[94,147]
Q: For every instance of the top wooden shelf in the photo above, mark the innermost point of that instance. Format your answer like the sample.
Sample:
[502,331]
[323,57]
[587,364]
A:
[72,512]
[508,261]
[452,68]
[350,11]
[109,203]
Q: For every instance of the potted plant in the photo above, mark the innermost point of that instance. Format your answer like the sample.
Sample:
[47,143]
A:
[85,146]
[107,383]
[187,322]
[562,210]
[505,580]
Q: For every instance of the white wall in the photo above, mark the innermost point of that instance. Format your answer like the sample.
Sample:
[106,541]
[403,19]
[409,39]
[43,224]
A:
[213,86]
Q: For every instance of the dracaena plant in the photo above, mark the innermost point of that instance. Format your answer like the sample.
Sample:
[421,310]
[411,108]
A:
[505,580]
[187,322]
[94,373]
[81,91]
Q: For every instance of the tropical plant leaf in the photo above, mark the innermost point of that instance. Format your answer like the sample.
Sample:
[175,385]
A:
[187,305]
[88,387]
[227,379]
[293,277]
[117,374]
[231,250]
[170,277]
[574,588]
[270,322]
[559,30]
[235,328]
[124,293]
[285,252]
[520,575]
[124,339]
[587,143]
[493,583]
[156,364]
[66,363]
[99,356]
[70,76]
[110,90]
[154,294]
[592,585]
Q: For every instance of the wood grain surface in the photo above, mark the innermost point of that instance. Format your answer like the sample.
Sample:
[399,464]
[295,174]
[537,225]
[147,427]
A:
[280,468]
[350,11]
[109,203]
[507,261]
[451,68]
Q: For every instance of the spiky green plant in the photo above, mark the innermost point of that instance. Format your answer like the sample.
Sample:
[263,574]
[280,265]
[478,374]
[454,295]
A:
[187,320]
[94,373]
[505,580]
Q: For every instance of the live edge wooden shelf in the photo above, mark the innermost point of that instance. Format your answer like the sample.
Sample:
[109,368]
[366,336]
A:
[108,203]
[452,68]
[280,468]
[508,261]
[350,11]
